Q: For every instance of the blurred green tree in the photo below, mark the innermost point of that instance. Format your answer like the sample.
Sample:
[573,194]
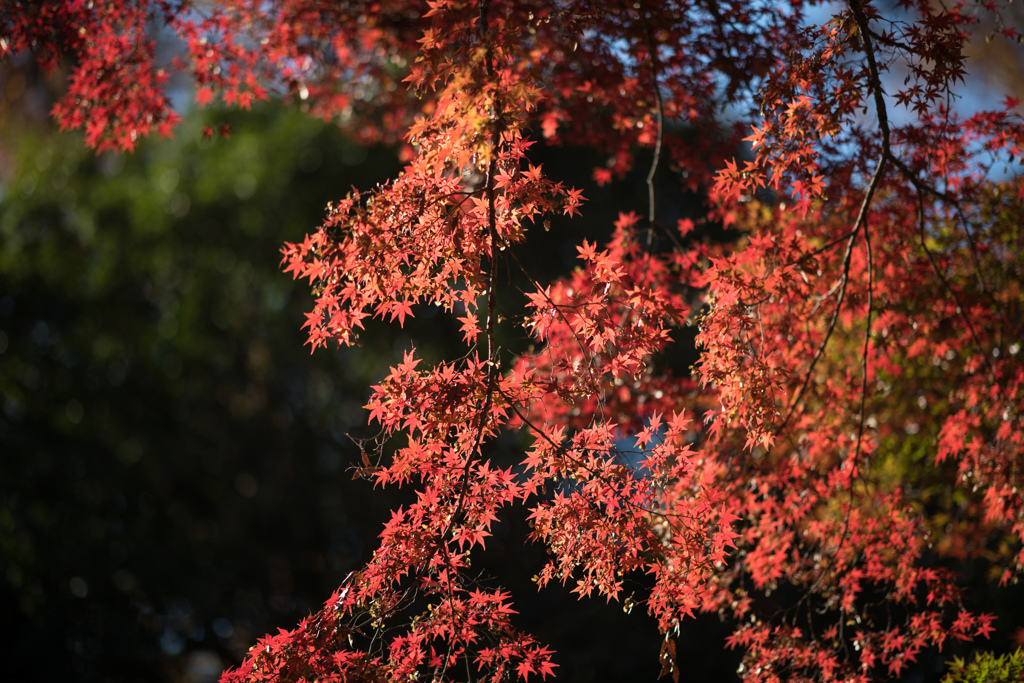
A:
[172,464]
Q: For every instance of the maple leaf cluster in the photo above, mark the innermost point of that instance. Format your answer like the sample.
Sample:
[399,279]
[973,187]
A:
[871,308]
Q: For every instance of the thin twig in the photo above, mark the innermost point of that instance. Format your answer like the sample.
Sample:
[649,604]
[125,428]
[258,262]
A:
[949,287]
[492,290]
[820,250]
[875,86]
[568,456]
[843,280]
[922,187]
[863,398]
[652,49]
[557,308]
[867,340]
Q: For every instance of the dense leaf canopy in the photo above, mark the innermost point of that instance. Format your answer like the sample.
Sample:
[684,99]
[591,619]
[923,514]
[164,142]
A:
[850,436]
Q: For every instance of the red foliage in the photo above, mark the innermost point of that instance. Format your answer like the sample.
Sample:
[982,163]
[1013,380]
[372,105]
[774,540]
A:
[871,310]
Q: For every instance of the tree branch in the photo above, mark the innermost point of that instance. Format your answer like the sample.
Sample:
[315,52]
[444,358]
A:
[875,86]
[652,49]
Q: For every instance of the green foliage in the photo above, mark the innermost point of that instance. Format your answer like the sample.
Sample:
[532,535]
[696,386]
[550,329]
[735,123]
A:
[987,668]
[171,457]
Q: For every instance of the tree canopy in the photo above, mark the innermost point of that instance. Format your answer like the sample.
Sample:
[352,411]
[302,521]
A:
[828,474]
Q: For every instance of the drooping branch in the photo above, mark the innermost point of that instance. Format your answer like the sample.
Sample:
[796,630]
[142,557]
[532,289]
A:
[875,87]
[492,276]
